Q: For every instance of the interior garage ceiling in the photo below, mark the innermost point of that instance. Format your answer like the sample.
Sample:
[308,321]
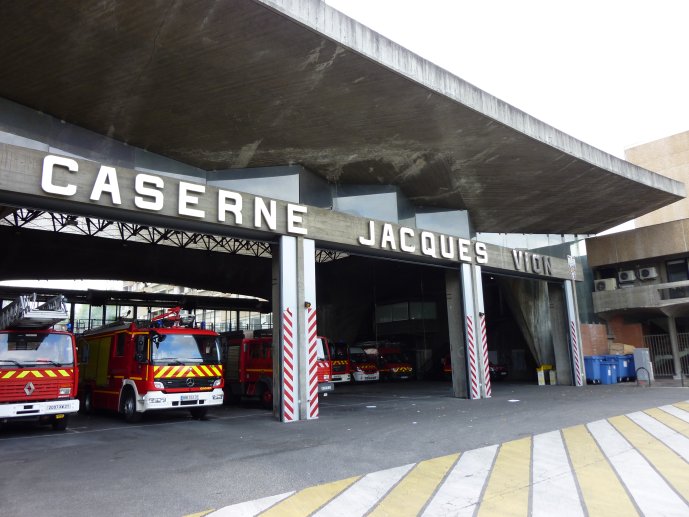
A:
[251,83]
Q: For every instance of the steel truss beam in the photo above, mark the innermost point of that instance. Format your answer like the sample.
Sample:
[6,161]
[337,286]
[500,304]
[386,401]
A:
[131,232]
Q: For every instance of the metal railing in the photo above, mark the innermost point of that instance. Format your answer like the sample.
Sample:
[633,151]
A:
[660,351]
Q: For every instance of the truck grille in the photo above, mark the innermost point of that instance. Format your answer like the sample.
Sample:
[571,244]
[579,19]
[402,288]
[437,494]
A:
[181,382]
[43,389]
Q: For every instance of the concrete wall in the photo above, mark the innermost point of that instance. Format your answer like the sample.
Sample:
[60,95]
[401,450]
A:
[640,244]
[669,157]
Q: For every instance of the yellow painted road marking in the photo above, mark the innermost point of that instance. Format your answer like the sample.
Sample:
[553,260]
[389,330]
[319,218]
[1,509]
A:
[673,468]
[603,493]
[307,501]
[682,405]
[674,423]
[415,489]
[507,491]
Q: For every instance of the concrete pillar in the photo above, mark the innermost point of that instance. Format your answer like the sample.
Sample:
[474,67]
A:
[574,334]
[476,345]
[558,326]
[481,332]
[455,323]
[294,330]
[674,345]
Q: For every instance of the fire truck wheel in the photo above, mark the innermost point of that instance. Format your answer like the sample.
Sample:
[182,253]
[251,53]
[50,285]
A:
[87,406]
[267,398]
[128,408]
[199,413]
[60,424]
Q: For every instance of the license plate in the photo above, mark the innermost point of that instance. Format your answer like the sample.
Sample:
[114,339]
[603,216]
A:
[58,406]
[190,397]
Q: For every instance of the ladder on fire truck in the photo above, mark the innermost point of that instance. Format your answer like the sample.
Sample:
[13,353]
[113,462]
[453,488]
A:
[26,313]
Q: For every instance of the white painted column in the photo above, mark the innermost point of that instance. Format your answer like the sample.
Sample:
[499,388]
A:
[289,329]
[574,334]
[481,333]
[474,362]
[308,375]
[298,381]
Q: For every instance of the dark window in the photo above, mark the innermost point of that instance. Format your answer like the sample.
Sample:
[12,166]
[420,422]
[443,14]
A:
[119,346]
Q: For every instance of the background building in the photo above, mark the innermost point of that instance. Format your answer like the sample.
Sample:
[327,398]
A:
[641,286]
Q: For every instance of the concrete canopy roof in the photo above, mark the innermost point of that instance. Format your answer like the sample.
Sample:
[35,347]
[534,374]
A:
[250,83]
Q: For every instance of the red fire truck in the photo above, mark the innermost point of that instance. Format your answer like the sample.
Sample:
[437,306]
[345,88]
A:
[38,373]
[248,363]
[391,359]
[143,365]
[361,366]
[339,354]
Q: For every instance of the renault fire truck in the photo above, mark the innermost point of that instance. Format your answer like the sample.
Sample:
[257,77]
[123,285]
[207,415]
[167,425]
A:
[248,365]
[148,365]
[38,373]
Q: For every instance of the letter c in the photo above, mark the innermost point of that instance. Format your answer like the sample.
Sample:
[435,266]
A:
[49,162]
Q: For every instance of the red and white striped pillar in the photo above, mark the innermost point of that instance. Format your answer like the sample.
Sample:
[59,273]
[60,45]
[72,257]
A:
[298,365]
[312,352]
[574,334]
[482,335]
[473,358]
[289,385]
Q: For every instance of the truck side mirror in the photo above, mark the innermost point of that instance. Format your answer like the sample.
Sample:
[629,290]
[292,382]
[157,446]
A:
[140,353]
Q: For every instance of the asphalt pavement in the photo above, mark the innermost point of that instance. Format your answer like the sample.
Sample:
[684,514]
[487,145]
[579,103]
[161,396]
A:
[171,465]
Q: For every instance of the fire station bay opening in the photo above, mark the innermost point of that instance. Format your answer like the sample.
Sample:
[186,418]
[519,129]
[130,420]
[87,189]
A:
[377,320]
[417,298]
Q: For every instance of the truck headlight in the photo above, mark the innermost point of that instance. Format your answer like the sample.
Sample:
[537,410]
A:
[65,392]
[217,383]
[158,385]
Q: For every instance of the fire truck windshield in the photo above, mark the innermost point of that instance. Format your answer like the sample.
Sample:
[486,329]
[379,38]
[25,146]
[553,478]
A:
[36,348]
[184,348]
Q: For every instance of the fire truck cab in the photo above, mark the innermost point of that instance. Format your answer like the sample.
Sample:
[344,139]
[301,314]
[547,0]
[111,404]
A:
[339,359]
[38,371]
[163,363]
[248,364]
[361,366]
[391,360]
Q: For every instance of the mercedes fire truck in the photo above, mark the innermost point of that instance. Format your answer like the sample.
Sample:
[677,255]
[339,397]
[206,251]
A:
[136,366]
[38,372]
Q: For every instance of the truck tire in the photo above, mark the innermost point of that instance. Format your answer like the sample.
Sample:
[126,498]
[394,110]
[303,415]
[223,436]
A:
[60,424]
[266,397]
[128,407]
[87,406]
[199,413]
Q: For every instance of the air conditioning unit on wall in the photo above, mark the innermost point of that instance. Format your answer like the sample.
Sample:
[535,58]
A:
[605,284]
[648,273]
[626,276]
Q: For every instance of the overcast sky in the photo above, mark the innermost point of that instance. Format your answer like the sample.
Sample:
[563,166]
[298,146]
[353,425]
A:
[613,73]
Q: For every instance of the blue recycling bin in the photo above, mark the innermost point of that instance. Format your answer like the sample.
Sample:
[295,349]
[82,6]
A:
[625,366]
[592,366]
[608,372]
[630,368]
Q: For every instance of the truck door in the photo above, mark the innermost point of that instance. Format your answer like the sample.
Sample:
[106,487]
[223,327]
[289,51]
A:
[119,362]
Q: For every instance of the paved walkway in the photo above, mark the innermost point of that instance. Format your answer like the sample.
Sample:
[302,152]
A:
[636,464]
